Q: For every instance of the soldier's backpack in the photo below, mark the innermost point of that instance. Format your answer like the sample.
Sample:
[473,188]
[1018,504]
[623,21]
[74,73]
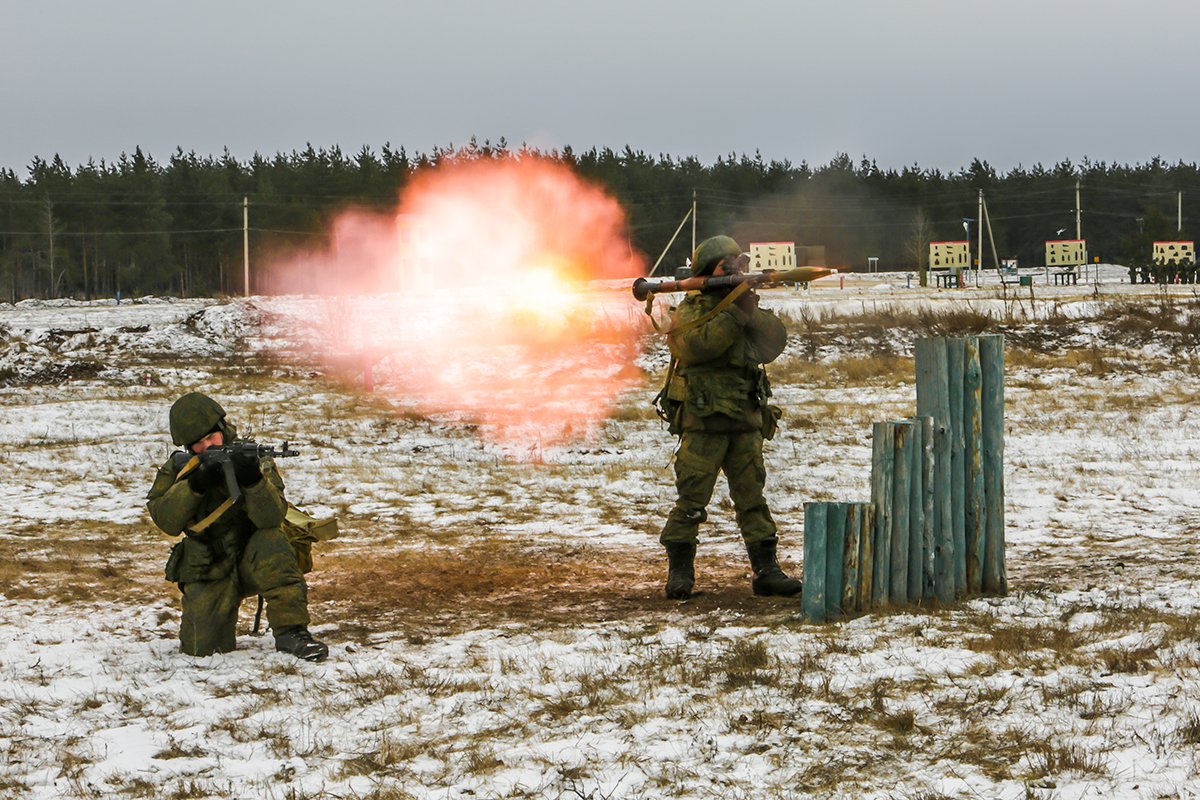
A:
[303,529]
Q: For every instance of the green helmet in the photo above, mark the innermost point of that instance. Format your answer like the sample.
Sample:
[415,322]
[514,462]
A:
[193,417]
[710,252]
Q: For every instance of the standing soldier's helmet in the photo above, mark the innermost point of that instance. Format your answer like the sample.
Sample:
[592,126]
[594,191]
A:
[195,416]
[710,252]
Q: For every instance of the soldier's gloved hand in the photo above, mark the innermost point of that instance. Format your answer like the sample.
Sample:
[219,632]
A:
[205,477]
[246,468]
[748,302]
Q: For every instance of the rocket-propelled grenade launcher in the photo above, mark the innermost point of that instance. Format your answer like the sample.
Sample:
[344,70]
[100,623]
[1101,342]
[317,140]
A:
[643,288]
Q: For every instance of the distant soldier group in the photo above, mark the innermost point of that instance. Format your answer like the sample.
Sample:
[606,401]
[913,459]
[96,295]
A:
[1154,272]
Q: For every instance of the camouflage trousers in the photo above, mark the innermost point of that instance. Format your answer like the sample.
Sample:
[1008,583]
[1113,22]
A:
[267,566]
[700,458]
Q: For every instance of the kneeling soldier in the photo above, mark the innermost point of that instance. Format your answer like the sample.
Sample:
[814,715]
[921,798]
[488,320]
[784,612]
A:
[231,550]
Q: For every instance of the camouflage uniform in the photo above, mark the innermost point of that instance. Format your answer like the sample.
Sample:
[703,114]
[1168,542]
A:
[243,552]
[717,404]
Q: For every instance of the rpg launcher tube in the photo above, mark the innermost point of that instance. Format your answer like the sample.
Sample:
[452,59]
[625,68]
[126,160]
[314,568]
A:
[643,288]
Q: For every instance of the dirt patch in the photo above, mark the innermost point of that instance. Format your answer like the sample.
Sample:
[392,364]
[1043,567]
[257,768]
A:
[438,591]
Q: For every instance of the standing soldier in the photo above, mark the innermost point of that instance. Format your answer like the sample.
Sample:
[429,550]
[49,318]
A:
[231,550]
[716,402]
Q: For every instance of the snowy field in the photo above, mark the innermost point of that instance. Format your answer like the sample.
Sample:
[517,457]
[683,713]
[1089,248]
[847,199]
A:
[494,608]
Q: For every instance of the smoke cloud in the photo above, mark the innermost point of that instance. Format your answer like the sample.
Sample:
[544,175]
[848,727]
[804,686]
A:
[482,298]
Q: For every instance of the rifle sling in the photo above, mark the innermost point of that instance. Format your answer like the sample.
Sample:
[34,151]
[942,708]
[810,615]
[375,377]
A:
[200,526]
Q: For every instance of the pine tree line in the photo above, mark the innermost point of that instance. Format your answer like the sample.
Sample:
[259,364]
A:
[140,227]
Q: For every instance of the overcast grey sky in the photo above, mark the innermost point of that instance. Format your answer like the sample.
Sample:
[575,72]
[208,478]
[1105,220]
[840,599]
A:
[931,82]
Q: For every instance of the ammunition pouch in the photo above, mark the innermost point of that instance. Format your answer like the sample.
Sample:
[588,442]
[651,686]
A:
[302,530]
[770,421]
[173,563]
[718,392]
[192,560]
[669,403]
[762,386]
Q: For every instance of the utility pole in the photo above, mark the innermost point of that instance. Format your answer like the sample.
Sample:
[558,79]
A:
[693,220]
[691,213]
[245,246]
[987,218]
[50,232]
[1078,229]
[979,216]
[1179,213]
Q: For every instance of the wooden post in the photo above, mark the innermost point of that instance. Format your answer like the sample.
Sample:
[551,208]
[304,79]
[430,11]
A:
[920,511]
[955,354]
[933,400]
[991,352]
[866,554]
[968,574]
[901,499]
[815,540]
[852,560]
[882,480]
[835,558]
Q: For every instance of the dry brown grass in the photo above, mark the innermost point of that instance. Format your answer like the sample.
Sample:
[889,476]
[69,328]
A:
[82,561]
[1095,361]
[880,320]
[1054,757]
[876,370]
[449,583]
[1118,660]
[387,758]
[1188,734]
[381,792]
[490,583]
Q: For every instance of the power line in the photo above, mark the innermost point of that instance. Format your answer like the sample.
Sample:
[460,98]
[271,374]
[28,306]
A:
[58,233]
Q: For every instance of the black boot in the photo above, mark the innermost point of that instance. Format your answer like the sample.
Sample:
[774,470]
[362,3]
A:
[681,574]
[300,643]
[769,579]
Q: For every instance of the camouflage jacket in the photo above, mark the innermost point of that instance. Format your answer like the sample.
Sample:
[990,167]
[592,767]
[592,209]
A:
[175,508]
[723,386]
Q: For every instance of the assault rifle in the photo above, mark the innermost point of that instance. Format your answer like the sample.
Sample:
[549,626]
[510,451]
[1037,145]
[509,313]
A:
[225,454]
[643,288]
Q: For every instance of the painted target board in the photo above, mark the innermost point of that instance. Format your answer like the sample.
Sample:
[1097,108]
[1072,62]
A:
[949,255]
[1066,252]
[1174,253]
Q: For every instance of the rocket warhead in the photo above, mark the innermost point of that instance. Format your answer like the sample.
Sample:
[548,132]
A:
[801,275]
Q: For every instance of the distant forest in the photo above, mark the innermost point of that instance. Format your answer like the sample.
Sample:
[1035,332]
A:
[139,227]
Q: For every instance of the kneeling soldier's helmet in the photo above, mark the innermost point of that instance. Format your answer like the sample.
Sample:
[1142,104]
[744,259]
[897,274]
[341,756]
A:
[193,417]
[710,252]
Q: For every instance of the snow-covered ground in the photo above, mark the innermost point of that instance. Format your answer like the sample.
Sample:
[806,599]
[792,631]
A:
[493,606]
